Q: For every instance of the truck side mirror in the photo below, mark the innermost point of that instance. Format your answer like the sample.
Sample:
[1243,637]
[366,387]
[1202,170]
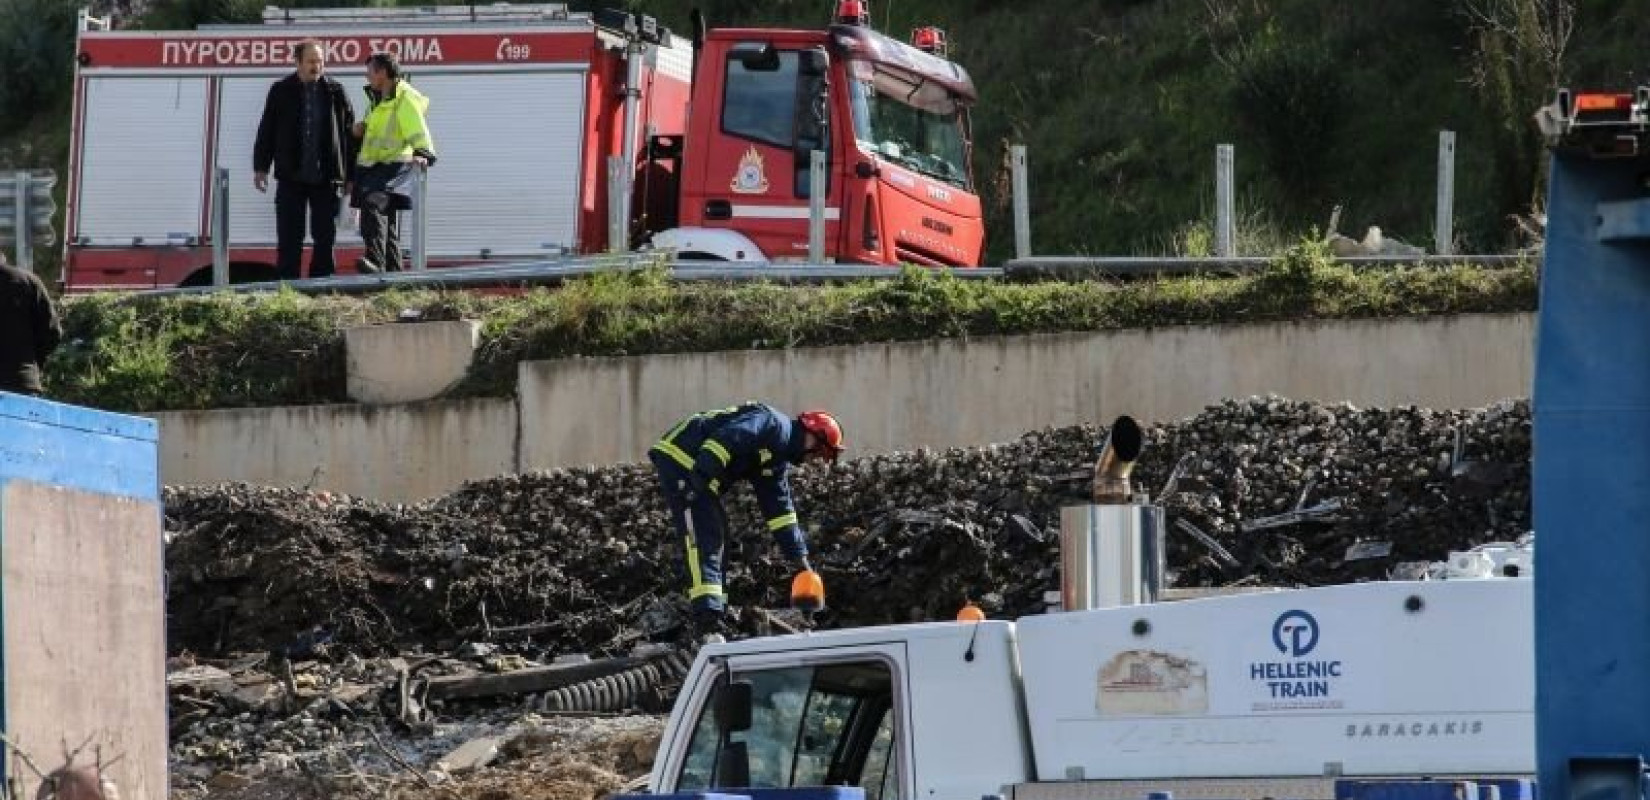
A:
[733,766]
[756,56]
[733,707]
[815,62]
[813,103]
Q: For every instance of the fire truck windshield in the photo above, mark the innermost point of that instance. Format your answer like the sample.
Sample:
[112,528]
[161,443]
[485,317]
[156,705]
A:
[909,121]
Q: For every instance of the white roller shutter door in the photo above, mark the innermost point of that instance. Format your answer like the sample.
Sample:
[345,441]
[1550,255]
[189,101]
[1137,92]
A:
[251,213]
[507,176]
[142,159]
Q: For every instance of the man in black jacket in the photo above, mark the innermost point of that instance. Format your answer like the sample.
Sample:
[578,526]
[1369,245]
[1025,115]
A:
[29,329]
[306,133]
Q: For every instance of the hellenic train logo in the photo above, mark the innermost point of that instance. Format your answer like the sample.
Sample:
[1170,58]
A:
[1295,633]
[1295,682]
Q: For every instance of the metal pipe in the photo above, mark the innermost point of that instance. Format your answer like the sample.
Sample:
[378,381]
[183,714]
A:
[1111,472]
[1444,231]
[816,207]
[1225,212]
[23,231]
[220,227]
[618,239]
[635,55]
[1022,201]
[421,219]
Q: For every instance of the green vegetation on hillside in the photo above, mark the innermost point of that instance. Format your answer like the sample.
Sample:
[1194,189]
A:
[145,354]
[1122,103]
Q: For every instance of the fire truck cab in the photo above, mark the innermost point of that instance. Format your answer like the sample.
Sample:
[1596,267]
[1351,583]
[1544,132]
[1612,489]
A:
[891,118]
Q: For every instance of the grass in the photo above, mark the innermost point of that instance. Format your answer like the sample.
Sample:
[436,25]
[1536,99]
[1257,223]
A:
[149,354]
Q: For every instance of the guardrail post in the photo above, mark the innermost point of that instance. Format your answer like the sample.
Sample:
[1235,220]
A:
[1225,213]
[421,219]
[220,227]
[1022,201]
[1444,232]
[24,231]
[618,231]
[816,207]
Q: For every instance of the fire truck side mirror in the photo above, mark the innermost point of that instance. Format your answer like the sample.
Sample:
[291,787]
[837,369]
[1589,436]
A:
[815,62]
[813,112]
[756,56]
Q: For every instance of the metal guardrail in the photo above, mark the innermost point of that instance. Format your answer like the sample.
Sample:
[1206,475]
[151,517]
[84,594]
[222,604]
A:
[26,210]
[1068,267]
[550,273]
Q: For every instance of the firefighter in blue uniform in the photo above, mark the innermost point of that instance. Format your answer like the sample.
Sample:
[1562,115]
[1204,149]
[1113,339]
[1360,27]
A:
[699,458]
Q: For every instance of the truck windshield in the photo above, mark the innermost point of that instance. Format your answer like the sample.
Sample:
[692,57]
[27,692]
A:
[909,121]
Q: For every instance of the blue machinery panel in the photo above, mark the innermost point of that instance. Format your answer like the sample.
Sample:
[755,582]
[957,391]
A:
[1591,479]
[78,448]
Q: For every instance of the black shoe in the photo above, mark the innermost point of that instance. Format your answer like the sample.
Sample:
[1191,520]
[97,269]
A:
[366,267]
[708,626]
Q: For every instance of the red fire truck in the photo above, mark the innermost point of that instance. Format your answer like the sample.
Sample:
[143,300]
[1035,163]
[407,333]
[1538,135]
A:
[528,103]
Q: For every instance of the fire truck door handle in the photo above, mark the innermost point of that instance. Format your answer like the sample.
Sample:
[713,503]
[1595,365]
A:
[718,209]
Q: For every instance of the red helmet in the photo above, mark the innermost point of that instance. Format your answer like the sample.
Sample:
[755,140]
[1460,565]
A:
[825,429]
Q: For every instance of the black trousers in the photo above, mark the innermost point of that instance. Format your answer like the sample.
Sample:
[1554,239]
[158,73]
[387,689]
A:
[381,233]
[292,201]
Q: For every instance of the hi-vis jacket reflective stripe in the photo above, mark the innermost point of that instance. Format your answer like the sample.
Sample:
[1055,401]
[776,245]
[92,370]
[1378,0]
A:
[750,442]
[396,127]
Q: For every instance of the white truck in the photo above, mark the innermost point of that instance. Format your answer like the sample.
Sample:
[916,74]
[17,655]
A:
[1272,694]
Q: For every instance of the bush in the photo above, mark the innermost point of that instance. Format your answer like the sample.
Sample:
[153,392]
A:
[37,46]
[1294,101]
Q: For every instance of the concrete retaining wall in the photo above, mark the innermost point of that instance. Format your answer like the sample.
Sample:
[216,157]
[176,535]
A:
[891,396]
[397,453]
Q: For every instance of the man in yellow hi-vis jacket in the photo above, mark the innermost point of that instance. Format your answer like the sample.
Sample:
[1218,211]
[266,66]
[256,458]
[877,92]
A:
[395,141]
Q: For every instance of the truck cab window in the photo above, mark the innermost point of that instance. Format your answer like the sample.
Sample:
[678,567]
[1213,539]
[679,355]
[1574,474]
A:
[761,104]
[810,726]
[880,779]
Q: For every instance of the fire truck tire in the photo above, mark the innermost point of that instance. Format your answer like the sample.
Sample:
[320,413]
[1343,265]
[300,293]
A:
[239,272]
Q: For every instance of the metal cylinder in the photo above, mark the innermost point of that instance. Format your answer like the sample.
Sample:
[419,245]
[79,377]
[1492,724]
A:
[421,219]
[1022,201]
[1225,202]
[1110,556]
[816,207]
[618,225]
[220,228]
[1444,228]
[22,226]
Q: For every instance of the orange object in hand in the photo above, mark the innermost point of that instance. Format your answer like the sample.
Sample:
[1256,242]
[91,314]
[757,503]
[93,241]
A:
[808,592]
[971,613]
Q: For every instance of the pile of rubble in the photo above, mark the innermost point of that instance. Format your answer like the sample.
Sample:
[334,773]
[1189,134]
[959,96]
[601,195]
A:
[581,561]
[356,727]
